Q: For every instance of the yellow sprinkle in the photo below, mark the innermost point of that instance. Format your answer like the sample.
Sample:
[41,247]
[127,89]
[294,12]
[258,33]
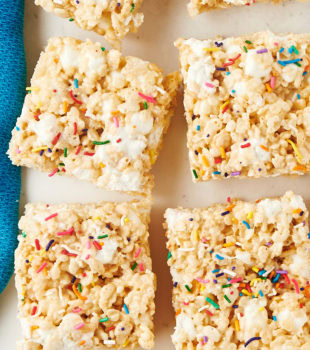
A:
[223,153]
[237,325]
[234,220]
[228,244]
[196,235]
[32,88]
[268,88]
[152,156]
[102,165]
[33,328]
[299,156]
[224,105]
[297,211]
[250,215]
[244,291]
[23,290]
[39,149]
[256,294]
[254,280]
[211,49]
[93,283]
[65,105]
[42,252]
[95,218]
[101,243]
[39,105]
[202,287]
[255,269]
[205,161]
[261,308]
[31,258]
[126,219]
[202,173]
[126,343]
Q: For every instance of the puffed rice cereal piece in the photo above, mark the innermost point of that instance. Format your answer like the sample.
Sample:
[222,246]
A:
[113,19]
[247,105]
[94,115]
[195,7]
[83,277]
[241,275]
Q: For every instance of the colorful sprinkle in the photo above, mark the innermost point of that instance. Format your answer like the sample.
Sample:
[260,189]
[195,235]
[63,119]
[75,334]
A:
[251,340]
[213,303]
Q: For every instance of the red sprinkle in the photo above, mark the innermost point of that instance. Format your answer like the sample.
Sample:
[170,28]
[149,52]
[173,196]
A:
[119,140]
[74,98]
[97,245]
[65,252]
[75,128]
[296,285]
[56,138]
[89,154]
[51,216]
[246,145]
[66,233]
[53,172]
[209,312]
[37,243]
[217,160]
[225,109]
[110,329]
[78,150]
[36,116]
[41,267]
[148,98]
[34,310]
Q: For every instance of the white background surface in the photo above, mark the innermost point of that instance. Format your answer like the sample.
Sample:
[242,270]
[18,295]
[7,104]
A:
[165,21]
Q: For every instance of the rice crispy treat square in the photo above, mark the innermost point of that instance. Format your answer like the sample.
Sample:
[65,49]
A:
[83,276]
[113,19]
[247,105]
[94,115]
[241,275]
[195,7]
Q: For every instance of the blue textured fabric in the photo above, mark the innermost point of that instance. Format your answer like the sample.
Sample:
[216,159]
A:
[12,87]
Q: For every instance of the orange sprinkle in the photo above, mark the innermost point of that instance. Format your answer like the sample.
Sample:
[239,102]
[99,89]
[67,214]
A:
[264,148]
[65,104]
[307,292]
[178,312]
[237,325]
[77,293]
[297,211]
[82,342]
[300,168]
[231,207]
[268,88]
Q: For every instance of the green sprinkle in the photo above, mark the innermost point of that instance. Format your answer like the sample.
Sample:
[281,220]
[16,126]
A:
[248,42]
[226,297]
[71,19]
[134,266]
[145,105]
[195,174]
[103,236]
[80,287]
[62,164]
[169,256]
[187,287]
[297,64]
[132,7]
[106,319]
[65,152]
[213,303]
[226,285]
[24,234]
[103,48]
[245,49]
[100,142]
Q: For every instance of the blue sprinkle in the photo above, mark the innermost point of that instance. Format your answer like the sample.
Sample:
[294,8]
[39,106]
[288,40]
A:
[261,272]
[17,128]
[219,257]
[261,293]
[215,281]
[290,50]
[284,63]
[219,275]
[298,96]
[126,309]
[304,73]
[274,318]
[246,224]
[235,306]
[216,270]
[233,91]
[241,294]
[76,83]
[225,213]
[308,235]
[227,73]
[281,50]
[198,127]
[216,173]
[276,278]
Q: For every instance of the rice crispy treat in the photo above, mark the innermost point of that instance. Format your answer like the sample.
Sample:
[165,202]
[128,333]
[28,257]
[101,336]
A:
[241,275]
[247,105]
[195,7]
[94,115]
[113,19]
[83,276]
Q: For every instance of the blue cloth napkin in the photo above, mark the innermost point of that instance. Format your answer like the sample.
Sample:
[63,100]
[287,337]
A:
[12,91]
